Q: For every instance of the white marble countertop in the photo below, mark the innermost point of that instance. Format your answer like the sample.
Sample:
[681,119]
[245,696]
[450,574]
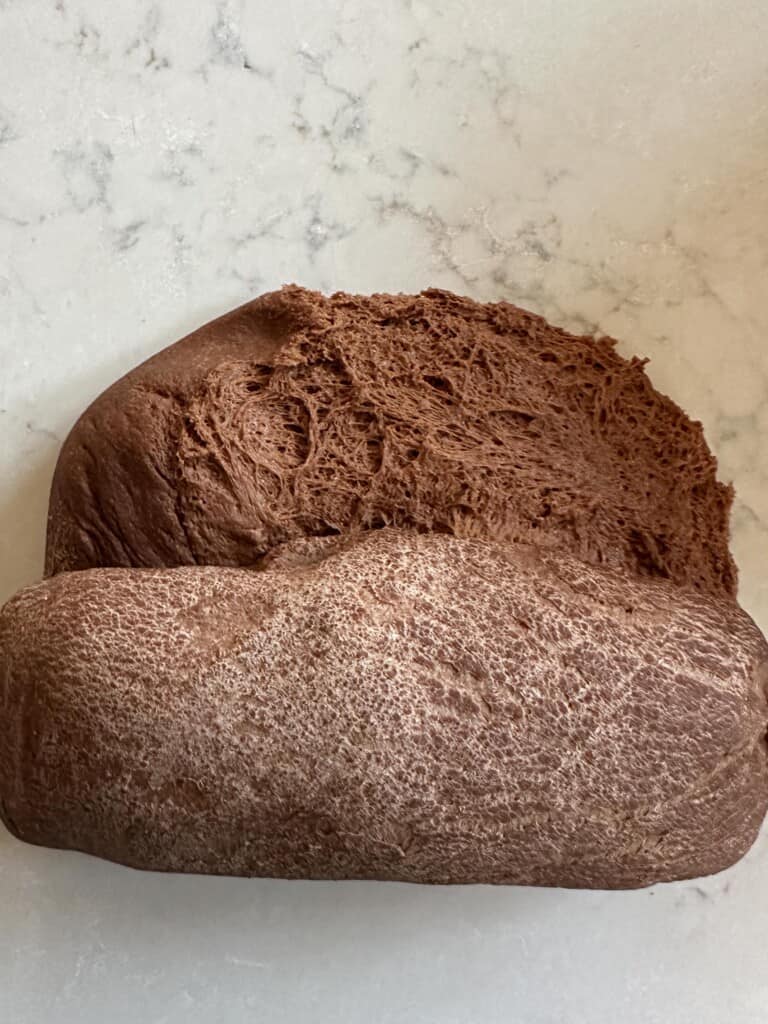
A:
[601,162]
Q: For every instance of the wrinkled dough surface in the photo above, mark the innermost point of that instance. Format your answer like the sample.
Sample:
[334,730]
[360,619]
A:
[400,706]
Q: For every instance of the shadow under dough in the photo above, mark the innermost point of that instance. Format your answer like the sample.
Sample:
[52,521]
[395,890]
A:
[23,515]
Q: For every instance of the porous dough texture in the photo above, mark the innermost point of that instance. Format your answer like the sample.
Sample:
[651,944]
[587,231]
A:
[395,587]
[300,415]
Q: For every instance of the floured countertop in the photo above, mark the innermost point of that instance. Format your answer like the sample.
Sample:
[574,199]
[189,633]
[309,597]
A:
[602,164]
